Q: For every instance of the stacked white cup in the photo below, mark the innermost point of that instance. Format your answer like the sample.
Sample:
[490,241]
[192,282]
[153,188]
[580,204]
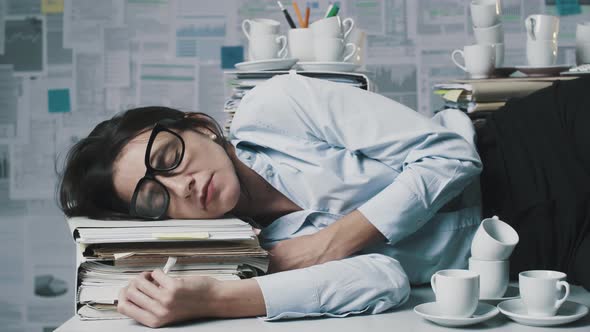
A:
[583,43]
[491,248]
[541,44]
[264,41]
[487,28]
[324,40]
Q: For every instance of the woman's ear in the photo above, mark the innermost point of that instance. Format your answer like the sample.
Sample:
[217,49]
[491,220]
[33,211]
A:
[205,119]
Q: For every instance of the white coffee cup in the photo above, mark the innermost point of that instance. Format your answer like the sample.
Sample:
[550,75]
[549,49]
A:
[301,44]
[493,277]
[540,27]
[540,291]
[479,59]
[332,49]
[541,52]
[265,47]
[358,37]
[583,32]
[499,48]
[484,13]
[494,240]
[260,26]
[582,53]
[332,27]
[489,35]
[456,291]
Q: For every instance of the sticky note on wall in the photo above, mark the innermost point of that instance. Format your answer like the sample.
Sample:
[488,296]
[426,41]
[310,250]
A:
[230,55]
[58,100]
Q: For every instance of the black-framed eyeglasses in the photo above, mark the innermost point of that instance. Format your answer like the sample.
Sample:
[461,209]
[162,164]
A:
[164,152]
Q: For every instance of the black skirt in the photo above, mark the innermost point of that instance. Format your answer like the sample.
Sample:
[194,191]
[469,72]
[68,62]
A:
[536,176]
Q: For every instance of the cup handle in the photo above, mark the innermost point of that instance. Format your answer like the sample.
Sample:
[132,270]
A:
[455,52]
[565,285]
[349,29]
[433,283]
[244,24]
[283,41]
[353,51]
[529,24]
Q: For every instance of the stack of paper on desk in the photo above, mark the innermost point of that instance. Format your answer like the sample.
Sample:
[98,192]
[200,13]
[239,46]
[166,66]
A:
[112,252]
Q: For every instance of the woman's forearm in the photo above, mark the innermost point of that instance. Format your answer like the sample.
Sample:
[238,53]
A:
[237,298]
[348,235]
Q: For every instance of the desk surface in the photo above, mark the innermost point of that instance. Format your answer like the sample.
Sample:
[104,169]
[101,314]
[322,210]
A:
[402,319]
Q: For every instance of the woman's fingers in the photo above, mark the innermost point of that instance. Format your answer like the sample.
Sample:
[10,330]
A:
[161,278]
[129,309]
[145,283]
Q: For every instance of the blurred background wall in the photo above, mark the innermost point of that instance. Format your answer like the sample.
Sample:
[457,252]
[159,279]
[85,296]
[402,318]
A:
[65,66]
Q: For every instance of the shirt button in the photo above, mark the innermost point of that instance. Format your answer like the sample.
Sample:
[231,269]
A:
[269,171]
[248,156]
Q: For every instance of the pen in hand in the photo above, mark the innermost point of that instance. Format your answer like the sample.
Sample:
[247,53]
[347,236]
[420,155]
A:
[169,264]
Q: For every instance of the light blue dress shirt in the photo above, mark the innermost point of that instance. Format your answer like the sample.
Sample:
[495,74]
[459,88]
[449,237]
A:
[333,148]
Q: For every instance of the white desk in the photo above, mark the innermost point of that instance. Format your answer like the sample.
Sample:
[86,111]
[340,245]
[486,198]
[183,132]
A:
[401,320]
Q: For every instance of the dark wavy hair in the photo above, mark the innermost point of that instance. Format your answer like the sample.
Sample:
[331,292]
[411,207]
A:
[86,186]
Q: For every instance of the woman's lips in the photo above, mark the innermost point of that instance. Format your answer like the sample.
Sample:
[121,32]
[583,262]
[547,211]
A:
[210,192]
[206,193]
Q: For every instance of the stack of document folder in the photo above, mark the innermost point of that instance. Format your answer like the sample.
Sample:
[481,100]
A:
[486,95]
[240,82]
[112,252]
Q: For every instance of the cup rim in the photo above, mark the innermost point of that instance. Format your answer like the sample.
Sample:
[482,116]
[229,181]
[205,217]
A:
[461,274]
[482,3]
[266,20]
[503,261]
[514,235]
[495,26]
[554,275]
[324,20]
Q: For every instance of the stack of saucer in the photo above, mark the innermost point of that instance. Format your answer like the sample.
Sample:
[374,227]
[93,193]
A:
[491,248]
[487,28]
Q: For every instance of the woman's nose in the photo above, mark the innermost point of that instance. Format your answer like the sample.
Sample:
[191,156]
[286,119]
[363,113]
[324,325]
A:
[179,185]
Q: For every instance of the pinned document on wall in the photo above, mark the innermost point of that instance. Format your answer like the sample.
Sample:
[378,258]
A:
[52,6]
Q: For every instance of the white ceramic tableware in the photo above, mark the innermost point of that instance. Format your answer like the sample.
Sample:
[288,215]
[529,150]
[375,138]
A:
[431,312]
[332,49]
[539,27]
[540,291]
[499,48]
[264,47]
[484,13]
[301,44]
[479,60]
[332,27]
[516,310]
[456,291]
[494,240]
[489,35]
[582,53]
[338,66]
[583,32]
[260,26]
[358,37]
[541,52]
[493,277]
[272,64]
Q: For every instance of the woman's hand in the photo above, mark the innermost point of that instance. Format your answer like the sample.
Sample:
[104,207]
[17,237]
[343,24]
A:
[156,299]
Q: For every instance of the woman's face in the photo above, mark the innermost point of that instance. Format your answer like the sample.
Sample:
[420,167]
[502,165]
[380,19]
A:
[203,186]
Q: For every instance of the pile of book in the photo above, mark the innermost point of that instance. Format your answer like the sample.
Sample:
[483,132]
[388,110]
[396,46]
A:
[112,252]
[479,97]
[240,82]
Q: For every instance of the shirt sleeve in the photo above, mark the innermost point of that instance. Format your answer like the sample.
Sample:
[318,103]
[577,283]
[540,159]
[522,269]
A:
[434,163]
[369,283]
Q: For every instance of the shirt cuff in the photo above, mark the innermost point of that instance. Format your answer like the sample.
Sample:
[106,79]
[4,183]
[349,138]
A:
[282,301]
[396,211]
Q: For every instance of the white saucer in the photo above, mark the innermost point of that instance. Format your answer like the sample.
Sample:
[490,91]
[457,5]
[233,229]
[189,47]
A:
[552,70]
[271,64]
[512,292]
[430,312]
[327,66]
[567,313]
